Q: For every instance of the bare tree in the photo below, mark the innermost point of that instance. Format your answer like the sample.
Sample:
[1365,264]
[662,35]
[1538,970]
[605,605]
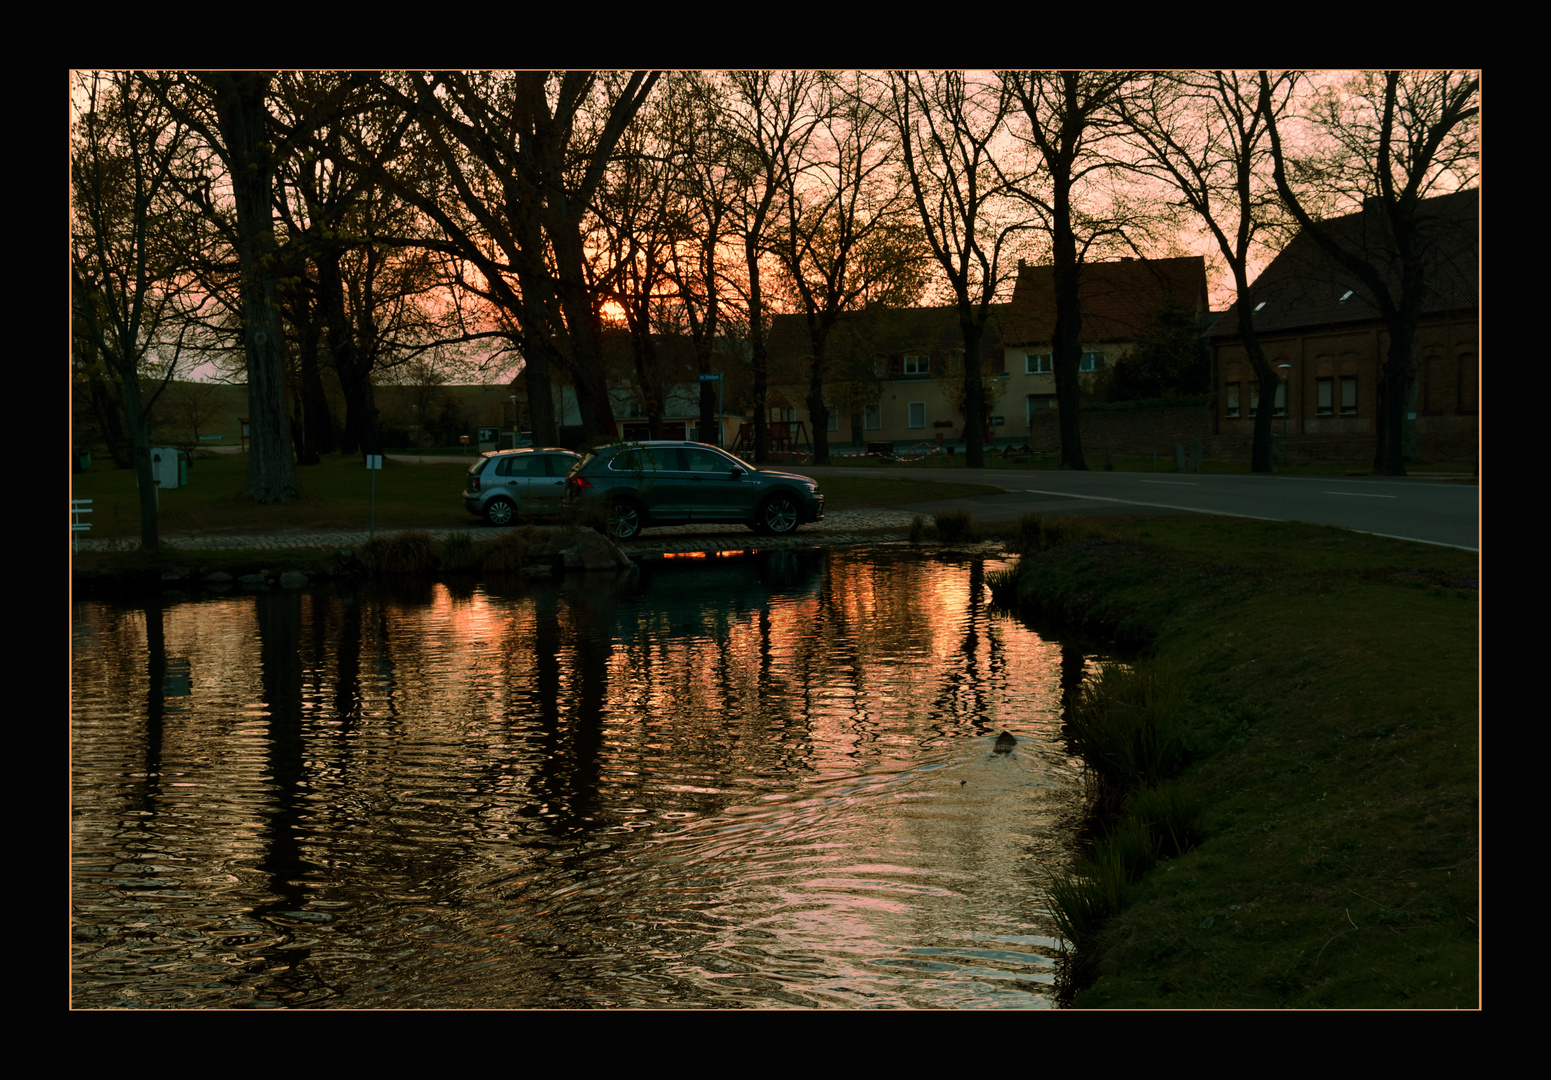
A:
[126,271]
[1070,114]
[698,138]
[1206,133]
[230,110]
[772,117]
[844,236]
[1390,140]
[949,127]
[521,158]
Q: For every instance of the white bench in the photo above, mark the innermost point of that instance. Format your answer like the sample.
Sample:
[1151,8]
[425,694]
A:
[77,508]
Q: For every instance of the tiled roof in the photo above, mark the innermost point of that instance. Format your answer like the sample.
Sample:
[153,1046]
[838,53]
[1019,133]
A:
[889,331]
[1120,300]
[672,350]
[1304,287]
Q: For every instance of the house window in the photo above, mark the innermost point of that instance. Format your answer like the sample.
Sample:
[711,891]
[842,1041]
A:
[1036,365]
[1038,403]
[918,365]
[1090,361]
[1281,400]
[1233,400]
[872,418]
[917,414]
[1325,399]
[834,419]
[1348,395]
[1467,383]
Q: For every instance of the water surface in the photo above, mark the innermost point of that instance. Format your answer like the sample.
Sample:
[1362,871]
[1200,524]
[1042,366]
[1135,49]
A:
[759,782]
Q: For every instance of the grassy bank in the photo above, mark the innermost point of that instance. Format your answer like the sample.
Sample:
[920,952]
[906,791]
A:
[1331,733]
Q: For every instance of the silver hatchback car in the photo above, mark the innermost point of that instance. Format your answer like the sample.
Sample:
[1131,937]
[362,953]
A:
[504,485]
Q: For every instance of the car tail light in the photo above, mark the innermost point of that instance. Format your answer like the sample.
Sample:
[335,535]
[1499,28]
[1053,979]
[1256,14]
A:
[578,482]
[473,484]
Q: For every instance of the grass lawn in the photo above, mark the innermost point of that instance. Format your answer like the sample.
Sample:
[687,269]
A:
[1333,682]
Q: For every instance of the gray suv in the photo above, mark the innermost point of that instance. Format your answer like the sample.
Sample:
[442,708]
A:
[504,485]
[641,484]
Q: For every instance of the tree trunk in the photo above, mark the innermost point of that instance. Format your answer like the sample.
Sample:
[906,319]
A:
[974,397]
[140,441]
[818,414]
[761,357]
[1066,359]
[1261,459]
[241,110]
[1389,455]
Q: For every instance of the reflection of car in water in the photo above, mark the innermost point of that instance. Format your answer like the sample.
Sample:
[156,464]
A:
[693,589]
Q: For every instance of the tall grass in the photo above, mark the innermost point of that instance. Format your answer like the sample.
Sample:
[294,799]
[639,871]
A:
[412,552]
[1160,823]
[509,552]
[1129,726]
[459,554]
[954,526]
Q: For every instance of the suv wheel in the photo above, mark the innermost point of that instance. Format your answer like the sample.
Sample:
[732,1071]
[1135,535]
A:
[500,512]
[779,515]
[624,520]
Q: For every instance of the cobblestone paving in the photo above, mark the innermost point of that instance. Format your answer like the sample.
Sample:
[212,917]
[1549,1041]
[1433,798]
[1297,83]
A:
[850,526]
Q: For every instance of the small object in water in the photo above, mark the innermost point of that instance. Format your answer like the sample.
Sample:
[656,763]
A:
[1005,743]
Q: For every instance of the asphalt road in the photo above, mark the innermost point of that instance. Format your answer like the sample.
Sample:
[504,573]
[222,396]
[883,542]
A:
[1428,511]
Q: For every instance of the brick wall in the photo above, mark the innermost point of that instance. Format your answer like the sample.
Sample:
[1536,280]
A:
[1126,431]
[1140,431]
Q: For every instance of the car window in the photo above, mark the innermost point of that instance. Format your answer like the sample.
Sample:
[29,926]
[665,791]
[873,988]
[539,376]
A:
[521,465]
[646,459]
[706,461]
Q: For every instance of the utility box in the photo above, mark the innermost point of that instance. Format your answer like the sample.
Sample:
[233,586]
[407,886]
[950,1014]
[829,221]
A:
[165,472]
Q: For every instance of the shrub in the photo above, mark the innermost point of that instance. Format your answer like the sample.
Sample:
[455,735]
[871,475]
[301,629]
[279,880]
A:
[509,552]
[412,552]
[917,529]
[458,553]
[955,525]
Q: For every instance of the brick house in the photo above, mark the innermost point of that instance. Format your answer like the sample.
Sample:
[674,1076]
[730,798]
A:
[1119,302]
[900,358]
[1318,327]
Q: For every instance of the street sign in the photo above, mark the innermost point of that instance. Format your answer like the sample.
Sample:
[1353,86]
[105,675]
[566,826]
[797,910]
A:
[711,376]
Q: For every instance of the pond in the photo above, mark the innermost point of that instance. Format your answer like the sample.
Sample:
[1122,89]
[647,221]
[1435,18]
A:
[755,782]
